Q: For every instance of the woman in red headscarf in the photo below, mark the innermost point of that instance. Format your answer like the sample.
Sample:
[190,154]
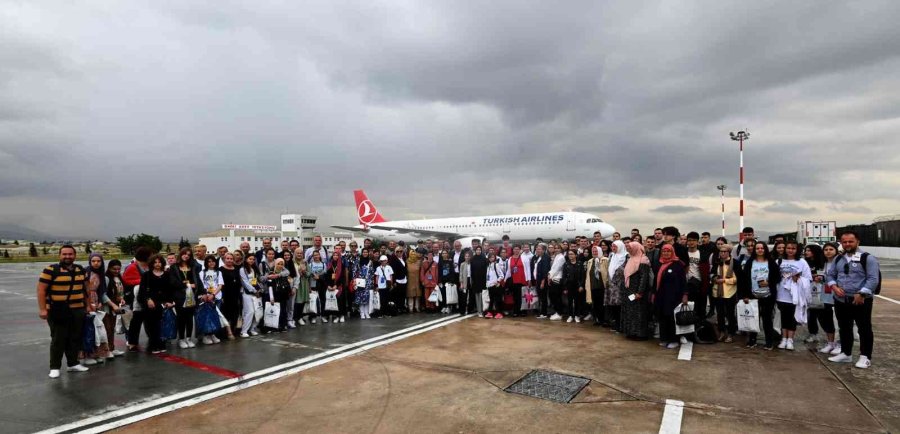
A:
[671,289]
[636,296]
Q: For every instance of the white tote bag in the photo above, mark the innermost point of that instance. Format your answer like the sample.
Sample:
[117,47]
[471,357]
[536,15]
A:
[435,296]
[485,298]
[452,294]
[331,302]
[374,300]
[683,330]
[100,328]
[748,316]
[313,305]
[258,310]
[273,313]
[529,298]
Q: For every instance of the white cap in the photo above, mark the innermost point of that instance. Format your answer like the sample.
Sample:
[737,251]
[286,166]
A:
[382,258]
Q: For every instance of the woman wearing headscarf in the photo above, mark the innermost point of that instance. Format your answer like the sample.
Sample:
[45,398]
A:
[300,286]
[413,288]
[115,304]
[671,290]
[596,269]
[636,302]
[95,284]
[364,273]
[278,290]
[334,282]
[612,299]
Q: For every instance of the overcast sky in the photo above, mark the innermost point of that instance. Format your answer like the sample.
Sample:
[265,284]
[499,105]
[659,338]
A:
[174,117]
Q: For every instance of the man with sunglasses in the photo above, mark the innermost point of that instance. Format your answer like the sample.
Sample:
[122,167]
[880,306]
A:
[853,284]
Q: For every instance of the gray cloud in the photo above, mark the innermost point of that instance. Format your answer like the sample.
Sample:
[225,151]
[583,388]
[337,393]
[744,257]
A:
[601,209]
[238,113]
[788,208]
[676,209]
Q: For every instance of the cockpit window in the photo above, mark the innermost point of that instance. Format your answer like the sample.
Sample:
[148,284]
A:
[595,221]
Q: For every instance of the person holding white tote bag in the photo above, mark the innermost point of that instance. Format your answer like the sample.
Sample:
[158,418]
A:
[252,303]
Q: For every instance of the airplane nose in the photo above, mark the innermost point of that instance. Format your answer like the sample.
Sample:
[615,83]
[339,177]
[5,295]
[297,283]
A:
[607,230]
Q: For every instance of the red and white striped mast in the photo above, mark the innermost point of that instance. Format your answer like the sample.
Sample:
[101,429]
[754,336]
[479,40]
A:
[740,136]
[722,189]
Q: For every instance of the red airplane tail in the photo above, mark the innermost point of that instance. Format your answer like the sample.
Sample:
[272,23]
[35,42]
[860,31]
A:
[365,209]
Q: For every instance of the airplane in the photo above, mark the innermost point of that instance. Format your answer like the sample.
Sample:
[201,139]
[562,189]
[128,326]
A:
[519,227]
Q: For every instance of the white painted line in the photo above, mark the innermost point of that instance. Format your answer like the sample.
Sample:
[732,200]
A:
[671,421]
[888,299]
[311,360]
[684,353]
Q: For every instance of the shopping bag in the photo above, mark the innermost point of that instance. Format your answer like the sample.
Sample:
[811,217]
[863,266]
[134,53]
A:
[748,316]
[312,307]
[100,328]
[331,302]
[375,299]
[121,325]
[435,296]
[683,329]
[452,294]
[485,298]
[222,321]
[508,300]
[168,328]
[815,299]
[529,298]
[272,315]
[207,319]
[684,314]
[258,310]
[89,335]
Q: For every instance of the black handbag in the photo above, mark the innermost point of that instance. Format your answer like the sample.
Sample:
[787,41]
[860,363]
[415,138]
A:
[685,316]
[60,311]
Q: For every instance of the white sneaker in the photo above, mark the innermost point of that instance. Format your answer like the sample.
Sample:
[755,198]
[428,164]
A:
[555,317]
[245,335]
[570,319]
[840,358]
[207,340]
[588,317]
[672,345]
[302,322]
[578,320]
[542,317]
[118,353]
[292,325]
[214,339]
[790,345]
[313,321]
[88,362]
[827,348]
[863,362]
[254,333]
[811,338]
[341,320]
[837,349]
[54,373]
[783,344]
[191,343]
[324,320]
[182,344]
[683,340]
[77,368]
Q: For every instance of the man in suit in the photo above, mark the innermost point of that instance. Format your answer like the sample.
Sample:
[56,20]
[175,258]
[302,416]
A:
[540,268]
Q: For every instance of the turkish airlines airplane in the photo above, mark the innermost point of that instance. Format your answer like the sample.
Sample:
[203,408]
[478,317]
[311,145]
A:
[519,227]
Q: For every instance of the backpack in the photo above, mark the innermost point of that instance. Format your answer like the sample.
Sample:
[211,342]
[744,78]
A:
[864,258]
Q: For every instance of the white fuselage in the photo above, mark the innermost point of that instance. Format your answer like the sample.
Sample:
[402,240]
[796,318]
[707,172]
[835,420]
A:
[519,227]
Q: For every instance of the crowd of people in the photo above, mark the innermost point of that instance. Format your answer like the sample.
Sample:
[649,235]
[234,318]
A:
[631,285]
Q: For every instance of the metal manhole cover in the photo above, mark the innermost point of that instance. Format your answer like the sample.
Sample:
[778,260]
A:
[553,386]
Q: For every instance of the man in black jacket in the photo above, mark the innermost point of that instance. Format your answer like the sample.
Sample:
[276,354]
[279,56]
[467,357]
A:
[670,236]
[478,265]
[540,268]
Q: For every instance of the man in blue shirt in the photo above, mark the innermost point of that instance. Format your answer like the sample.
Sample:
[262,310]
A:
[853,284]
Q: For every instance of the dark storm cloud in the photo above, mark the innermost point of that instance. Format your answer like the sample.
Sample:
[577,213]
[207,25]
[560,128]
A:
[601,208]
[675,209]
[211,112]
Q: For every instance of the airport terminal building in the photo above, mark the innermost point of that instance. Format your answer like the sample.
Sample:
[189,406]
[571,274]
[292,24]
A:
[299,227]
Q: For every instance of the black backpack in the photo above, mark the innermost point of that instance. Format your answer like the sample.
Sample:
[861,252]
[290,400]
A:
[864,259]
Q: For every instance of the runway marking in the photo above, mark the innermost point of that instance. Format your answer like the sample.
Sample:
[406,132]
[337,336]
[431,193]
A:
[888,299]
[671,421]
[684,353]
[204,393]
[216,370]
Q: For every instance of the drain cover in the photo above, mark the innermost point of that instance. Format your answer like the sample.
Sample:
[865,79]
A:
[552,386]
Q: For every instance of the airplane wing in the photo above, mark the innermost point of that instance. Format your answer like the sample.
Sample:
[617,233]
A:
[424,233]
[350,228]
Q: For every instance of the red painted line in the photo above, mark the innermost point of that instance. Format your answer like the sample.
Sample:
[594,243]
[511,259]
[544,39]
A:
[201,366]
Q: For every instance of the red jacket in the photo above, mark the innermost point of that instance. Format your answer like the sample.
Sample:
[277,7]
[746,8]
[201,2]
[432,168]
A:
[517,270]
[132,275]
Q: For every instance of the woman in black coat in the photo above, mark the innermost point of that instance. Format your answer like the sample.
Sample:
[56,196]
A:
[671,290]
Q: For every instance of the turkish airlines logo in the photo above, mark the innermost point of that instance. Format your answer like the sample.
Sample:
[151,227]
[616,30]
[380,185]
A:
[366,212]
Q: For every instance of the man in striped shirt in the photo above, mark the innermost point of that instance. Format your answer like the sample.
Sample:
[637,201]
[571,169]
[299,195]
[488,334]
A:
[61,301]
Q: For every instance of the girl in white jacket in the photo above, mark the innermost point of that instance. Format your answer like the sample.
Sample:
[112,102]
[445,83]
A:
[793,293]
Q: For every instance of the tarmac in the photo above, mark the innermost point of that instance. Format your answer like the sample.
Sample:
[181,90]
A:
[437,373]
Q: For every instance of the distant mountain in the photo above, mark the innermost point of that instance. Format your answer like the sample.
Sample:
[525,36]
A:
[9,231]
